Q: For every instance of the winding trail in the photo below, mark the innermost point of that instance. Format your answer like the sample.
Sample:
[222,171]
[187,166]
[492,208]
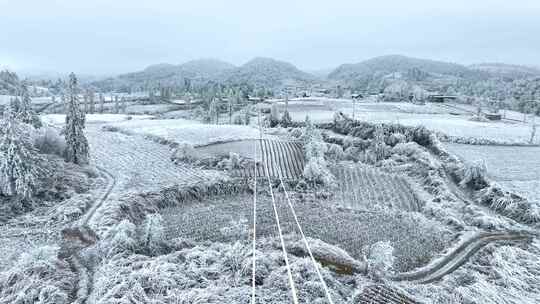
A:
[458,256]
[127,163]
[111,183]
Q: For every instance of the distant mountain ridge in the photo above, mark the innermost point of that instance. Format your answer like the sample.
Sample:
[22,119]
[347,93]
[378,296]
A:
[271,73]
[267,72]
[384,65]
[508,70]
[259,72]
[165,74]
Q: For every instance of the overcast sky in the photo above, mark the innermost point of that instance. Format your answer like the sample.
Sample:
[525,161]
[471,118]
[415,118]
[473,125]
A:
[114,36]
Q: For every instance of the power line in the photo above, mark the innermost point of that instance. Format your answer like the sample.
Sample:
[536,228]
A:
[254,225]
[326,290]
[289,274]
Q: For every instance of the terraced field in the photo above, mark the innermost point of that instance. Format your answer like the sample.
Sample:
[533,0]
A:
[285,158]
[138,163]
[362,187]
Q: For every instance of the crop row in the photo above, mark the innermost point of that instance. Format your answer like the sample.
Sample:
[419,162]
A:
[363,187]
[283,158]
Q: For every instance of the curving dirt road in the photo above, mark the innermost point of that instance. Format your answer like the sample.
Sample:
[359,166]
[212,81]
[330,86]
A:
[458,256]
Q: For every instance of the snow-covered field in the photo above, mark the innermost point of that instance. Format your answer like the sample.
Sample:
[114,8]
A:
[185,131]
[150,109]
[515,168]
[433,116]
[60,119]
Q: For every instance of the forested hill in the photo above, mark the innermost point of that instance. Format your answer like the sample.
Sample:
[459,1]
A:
[420,69]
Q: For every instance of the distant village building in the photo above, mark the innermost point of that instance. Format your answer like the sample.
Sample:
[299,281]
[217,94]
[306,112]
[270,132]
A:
[493,116]
[441,98]
[357,96]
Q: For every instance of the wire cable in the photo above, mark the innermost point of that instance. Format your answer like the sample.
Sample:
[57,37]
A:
[289,273]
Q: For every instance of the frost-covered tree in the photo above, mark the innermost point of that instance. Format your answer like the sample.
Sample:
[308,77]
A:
[316,169]
[123,105]
[25,113]
[213,111]
[77,144]
[286,119]
[274,115]
[116,104]
[85,102]
[19,161]
[92,100]
[101,103]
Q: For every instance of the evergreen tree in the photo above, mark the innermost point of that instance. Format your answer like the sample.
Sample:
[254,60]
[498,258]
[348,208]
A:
[19,160]
[25,113]
[77,145]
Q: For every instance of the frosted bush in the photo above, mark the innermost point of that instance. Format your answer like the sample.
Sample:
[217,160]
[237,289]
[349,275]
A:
[49,141]
[121,238]
[474,175]
[38,276]
[184,153]
[396,138]
[316,171]
[381,258]
[335,152]
[296,133]
[152,234]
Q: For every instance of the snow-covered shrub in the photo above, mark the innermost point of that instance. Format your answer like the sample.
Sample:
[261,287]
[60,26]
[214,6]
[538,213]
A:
[335,152]
[396,138]
[49,141]
[184,153]
[509,204]
[286,119]
[39,277]
[381,258]
[354,154]
[152,234]
[316,169]
[296,133]
[474,176]
[119,239]
[64,182]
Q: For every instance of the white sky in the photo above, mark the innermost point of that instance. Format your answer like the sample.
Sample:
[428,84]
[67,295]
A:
[113,36]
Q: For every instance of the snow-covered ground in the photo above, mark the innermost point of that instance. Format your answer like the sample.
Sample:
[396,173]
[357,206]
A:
[60,119]
[433,116]
[138,163]
[186,131]
[515,168]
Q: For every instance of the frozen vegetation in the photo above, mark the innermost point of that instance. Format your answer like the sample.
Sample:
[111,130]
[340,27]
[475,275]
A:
[206,182]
